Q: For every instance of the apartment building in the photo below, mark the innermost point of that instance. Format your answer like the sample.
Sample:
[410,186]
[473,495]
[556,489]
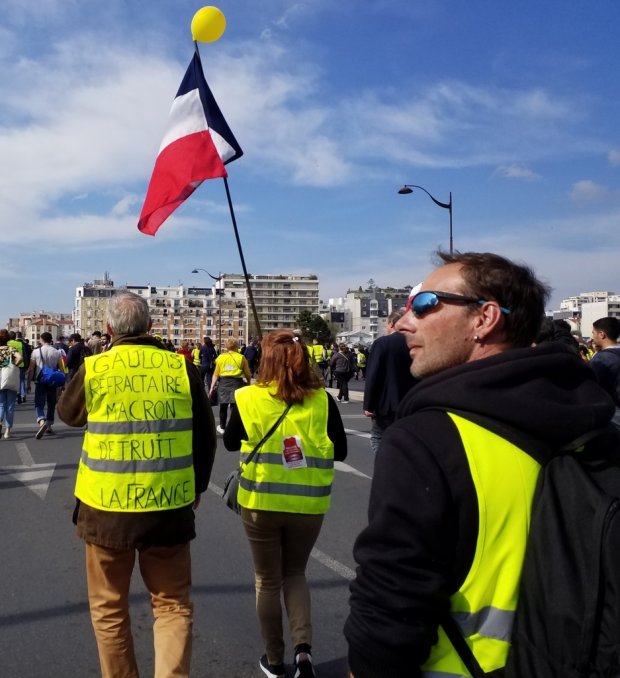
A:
[221,311]
[32,325]
[583,309]
[279,299]
[362,315]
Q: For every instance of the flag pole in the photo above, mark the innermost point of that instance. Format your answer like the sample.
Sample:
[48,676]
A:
[238,239]
[245,271]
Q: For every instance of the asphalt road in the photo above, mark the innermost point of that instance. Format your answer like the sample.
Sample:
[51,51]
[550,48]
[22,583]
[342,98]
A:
[45,627]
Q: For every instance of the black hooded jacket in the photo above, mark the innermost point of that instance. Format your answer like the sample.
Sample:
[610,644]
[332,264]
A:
[423,512]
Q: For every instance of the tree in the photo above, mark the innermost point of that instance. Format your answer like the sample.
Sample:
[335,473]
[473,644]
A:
[313,327]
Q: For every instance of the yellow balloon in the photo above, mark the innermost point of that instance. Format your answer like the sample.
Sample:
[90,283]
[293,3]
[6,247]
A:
[208,24]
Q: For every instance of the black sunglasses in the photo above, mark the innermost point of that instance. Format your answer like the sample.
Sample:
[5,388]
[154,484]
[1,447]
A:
[423,302]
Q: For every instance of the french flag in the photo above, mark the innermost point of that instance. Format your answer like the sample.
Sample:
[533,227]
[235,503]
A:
[196,146]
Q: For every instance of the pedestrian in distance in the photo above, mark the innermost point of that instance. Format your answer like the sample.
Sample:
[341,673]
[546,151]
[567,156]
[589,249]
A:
[147,455]
[185,351]
[341,365]
[451,498]
[17,341]
[95,343]
[10,361]
[388,379]
[45,395]
[606,361]
[251,354]
[353,363]
[76,354]
[285,490]
[231,372]
[208,356]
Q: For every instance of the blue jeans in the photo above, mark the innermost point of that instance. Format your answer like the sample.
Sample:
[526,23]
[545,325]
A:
[7,406]
[379,424]
[45,395]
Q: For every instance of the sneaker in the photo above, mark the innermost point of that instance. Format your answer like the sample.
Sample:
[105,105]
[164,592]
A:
[50,432]
[270,670]
[220,430]
[42,429]
[339,398]
[346,402]
[7,433]
[303,668]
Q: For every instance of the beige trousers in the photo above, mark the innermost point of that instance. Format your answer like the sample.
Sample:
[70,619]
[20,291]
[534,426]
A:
[166,572]
[281,544]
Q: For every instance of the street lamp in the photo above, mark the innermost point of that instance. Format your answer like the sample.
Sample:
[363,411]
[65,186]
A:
[218,292]
[408,188]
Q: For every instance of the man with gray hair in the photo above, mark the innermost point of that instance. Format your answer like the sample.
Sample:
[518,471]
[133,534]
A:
[147,456]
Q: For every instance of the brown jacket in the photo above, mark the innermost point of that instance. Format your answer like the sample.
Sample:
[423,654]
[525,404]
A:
[124,530]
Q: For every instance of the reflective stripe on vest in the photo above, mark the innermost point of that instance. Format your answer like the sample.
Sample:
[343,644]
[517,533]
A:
[276,458]
[504,478]
[137,450]
[266,483]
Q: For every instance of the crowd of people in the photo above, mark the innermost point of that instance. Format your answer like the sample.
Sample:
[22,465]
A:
[465,376]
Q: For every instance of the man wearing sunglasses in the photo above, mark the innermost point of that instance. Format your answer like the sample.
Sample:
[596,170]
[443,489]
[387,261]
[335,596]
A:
[452,489]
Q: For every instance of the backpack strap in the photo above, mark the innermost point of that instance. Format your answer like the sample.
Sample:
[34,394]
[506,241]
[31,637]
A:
[462,648]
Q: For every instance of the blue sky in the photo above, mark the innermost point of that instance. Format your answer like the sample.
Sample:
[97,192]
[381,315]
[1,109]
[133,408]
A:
[512,107]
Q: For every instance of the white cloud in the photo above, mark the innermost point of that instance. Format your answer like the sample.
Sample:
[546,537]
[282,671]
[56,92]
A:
[517,171]
[88,122]
[588,191]
[614,158]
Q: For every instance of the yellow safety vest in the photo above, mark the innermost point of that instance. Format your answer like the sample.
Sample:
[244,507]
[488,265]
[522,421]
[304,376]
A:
[484,607]
[361,359]
[196,356]
[267,484]
[230,364]
[137,449]
[316,352]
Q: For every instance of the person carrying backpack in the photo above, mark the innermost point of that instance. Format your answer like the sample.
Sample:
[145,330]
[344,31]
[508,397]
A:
[453,490]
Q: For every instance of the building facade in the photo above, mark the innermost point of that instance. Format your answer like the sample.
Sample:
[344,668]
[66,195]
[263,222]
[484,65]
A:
[279,299]
[364,312]
[32,325]
[221,311]
[585,308]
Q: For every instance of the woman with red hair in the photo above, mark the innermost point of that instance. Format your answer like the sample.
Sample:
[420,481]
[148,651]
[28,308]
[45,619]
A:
[285,490]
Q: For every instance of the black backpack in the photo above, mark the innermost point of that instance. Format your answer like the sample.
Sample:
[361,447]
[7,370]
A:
[567,623]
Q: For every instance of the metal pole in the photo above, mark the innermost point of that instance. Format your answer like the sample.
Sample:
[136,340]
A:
[219,312]
[245,271]
[450,210]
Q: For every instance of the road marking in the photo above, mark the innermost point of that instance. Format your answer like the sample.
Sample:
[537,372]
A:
[24,454]
[359,434]
[35,477]
[329,562]
[334,565]
[341,466]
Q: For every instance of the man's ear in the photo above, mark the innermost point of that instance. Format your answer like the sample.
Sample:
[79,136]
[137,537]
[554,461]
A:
[488,319]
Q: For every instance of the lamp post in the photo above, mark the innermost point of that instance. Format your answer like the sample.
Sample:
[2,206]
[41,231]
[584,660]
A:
[408,188]
[218,293]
